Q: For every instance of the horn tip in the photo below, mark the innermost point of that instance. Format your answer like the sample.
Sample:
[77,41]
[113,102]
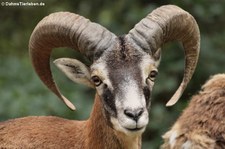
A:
[68,103]
[170,103]
[175,97]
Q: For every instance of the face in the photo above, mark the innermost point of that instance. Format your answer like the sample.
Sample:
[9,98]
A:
[124,77]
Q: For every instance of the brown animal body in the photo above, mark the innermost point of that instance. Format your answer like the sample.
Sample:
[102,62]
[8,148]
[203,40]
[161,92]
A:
[202,124]
[53,132]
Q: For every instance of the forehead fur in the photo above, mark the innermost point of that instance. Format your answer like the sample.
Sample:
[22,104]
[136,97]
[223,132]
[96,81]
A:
[123,55]
[123,63]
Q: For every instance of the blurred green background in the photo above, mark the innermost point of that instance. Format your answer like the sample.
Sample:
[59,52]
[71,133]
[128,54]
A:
[23,94]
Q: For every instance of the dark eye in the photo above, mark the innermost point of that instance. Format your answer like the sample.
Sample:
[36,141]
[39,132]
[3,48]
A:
[153,75]
[97,81]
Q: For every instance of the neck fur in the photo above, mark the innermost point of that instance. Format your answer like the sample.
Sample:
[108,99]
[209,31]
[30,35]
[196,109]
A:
[101,135]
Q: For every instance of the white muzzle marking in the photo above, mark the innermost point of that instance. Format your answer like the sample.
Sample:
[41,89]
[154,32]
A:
[132,114]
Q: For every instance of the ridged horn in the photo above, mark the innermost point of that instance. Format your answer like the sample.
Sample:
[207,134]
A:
[64,29]
[169,23]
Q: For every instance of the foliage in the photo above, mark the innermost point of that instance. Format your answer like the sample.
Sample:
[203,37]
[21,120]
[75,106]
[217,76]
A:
[23,94]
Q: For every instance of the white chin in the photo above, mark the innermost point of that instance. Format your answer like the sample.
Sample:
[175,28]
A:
[128,131]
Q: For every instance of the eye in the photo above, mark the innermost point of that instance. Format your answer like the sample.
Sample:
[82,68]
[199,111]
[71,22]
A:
[97,81]
[152,75]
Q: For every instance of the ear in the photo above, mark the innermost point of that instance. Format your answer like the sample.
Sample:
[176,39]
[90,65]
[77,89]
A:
[75,70]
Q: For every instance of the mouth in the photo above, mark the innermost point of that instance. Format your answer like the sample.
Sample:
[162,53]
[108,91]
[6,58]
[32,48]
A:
[131,129]
[135,129]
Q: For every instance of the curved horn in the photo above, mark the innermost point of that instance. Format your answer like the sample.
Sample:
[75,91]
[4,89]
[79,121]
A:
[168,23]
[64,29]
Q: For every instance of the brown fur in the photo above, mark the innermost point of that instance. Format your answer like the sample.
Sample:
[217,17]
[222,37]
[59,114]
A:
[53,132]
[203,121]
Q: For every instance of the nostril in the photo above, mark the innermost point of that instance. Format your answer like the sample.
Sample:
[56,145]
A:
[129,113]
[134,114]
[140,112]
